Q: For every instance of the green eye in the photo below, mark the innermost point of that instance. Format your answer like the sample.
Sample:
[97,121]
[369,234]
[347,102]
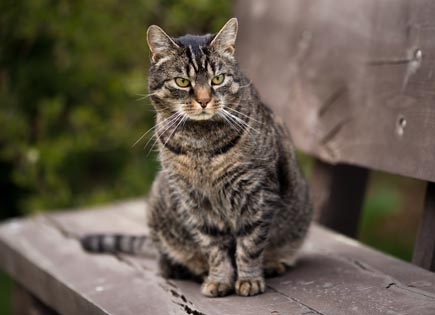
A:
[182,82]
[218,79]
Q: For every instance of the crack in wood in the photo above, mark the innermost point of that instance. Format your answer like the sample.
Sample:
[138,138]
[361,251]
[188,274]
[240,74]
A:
[189,310]
[362,266]
[163,283]
[58,226]
[334,131]
[392,283]
[389,285]
[173,290]
[410,289]
[184,303]
[331,100]
[311,310]
[399,61]
[413,64]
[138,267]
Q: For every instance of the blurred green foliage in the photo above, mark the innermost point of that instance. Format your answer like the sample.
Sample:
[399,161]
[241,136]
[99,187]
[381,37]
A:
[391,214]
[72,77]
[5,294]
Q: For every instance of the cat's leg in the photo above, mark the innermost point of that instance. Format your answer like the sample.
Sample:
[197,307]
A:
[214,240]
[220,279]
[249,260]
[179,252]
[252,239]
[250,279]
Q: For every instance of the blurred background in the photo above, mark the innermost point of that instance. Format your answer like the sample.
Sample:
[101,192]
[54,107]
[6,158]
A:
[73,102]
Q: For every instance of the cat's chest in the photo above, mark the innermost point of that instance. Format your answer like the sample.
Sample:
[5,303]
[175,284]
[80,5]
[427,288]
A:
[205,173]
[205,183]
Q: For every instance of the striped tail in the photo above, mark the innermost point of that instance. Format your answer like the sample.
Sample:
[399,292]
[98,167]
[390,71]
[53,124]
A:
[116,243]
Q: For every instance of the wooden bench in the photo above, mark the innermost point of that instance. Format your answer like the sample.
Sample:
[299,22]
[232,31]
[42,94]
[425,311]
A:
[336,275]
[353,80]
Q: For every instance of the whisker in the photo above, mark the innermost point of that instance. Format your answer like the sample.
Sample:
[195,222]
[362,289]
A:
[243,114]
[152,128]
[166,128]
[231,117]
[240,122]
[232,125]
[246,85]
[234,121]
[145,96]
[176,127]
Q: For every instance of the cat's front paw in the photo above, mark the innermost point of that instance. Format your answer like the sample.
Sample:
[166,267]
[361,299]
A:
[212,288]
[248,287]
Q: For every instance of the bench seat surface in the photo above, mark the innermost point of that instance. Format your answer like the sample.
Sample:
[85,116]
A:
[335,275]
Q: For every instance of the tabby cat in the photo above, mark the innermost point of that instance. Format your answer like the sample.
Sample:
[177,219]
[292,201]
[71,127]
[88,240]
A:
[230,204]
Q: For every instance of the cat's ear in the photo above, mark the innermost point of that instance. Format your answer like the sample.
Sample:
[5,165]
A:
[160,43]
[225,39]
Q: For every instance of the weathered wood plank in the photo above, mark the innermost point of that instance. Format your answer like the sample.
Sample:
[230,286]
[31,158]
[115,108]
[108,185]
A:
[352,79]
[338,195]
[43,255]
[424,249]
[23,303]
[49,262]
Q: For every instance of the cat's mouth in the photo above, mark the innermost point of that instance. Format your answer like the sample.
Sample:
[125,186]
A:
[202,115]
[205,113]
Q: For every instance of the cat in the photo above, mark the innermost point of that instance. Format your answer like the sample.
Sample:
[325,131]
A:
[230,204]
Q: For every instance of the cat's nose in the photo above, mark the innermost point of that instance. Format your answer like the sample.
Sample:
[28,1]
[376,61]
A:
[202,95]
[203,102]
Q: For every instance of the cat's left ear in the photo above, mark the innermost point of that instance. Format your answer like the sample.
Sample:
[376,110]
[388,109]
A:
[225,40]
[160,43]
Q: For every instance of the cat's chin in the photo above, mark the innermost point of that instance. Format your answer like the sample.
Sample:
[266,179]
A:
[201,116]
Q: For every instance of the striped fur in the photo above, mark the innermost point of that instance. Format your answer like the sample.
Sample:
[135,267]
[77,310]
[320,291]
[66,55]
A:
[116,243]
[230,203]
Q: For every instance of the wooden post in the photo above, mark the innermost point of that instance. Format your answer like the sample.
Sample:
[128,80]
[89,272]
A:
[338,194]
[424,248]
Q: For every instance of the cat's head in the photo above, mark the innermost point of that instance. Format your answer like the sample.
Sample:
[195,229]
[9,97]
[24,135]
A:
[195,76]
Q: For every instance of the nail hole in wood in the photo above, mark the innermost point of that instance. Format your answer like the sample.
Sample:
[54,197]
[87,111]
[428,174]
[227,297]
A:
[400,126]
[418,55]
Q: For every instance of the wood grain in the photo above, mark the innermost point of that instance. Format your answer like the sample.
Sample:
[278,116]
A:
[354,80]
[43,255]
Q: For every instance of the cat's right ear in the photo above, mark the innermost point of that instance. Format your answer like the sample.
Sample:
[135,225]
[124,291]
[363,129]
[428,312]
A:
[225,40]
[160,43]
